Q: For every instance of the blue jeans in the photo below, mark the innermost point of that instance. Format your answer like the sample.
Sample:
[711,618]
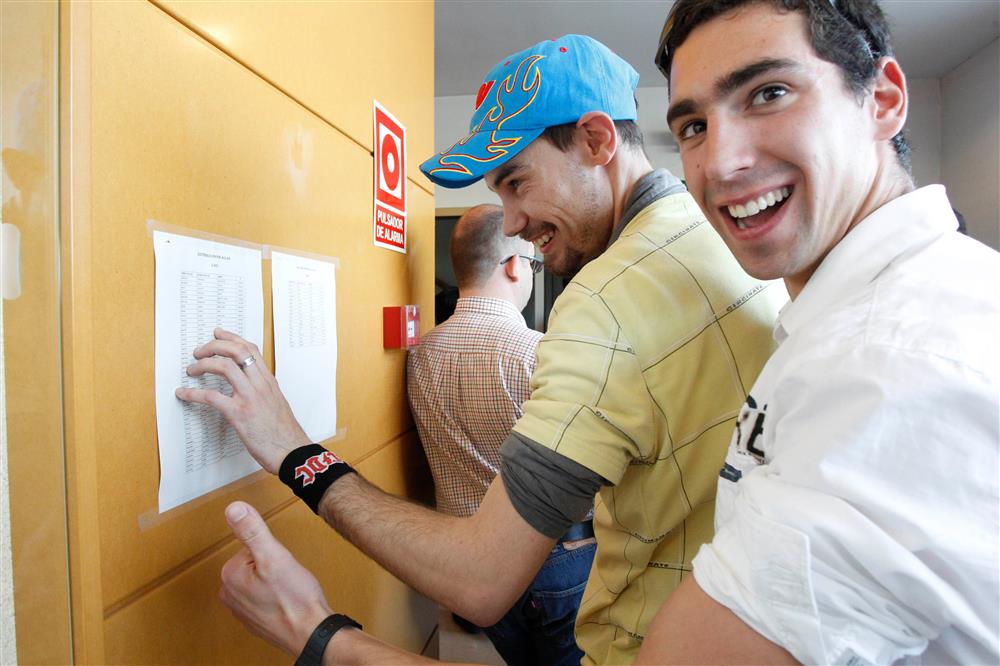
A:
[538,629]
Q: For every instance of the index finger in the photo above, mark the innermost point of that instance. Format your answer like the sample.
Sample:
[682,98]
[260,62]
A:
[231,345]
[223,334]
[237,351]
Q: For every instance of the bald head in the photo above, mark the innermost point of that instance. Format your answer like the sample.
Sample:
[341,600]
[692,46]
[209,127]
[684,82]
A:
[478,245]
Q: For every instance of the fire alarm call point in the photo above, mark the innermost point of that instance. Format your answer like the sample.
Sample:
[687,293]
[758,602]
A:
[400,326]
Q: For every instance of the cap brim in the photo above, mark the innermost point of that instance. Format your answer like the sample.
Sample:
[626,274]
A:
[472,157]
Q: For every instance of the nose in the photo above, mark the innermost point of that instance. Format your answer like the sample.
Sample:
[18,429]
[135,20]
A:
[728,149]
[514,220]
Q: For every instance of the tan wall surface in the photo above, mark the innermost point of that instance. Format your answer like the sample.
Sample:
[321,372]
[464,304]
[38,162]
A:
[28,51]
[324,52]
[355,585]
[167,125]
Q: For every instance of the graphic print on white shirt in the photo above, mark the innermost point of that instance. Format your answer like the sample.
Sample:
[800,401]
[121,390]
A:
[745,449]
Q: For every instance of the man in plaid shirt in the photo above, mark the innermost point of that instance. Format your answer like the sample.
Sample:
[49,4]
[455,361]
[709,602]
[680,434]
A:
[466,382]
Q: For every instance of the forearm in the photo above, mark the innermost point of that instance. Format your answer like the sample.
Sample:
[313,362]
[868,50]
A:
[692,628]
[472,567]
[351,646]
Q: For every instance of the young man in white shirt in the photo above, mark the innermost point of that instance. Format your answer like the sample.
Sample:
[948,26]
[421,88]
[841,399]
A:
[856,516]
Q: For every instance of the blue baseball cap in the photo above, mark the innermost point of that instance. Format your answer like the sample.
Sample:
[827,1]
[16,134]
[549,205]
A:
[552,83]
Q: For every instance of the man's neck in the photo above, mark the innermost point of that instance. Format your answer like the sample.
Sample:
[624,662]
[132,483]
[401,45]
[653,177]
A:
[628,169]
[895,184]
[487,291]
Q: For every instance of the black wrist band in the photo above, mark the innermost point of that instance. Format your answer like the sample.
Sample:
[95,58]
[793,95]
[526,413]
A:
[312,653]
[309,471]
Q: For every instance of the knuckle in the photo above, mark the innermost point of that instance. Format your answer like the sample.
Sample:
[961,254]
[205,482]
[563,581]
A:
[250,534]
[227,573]
[243,410]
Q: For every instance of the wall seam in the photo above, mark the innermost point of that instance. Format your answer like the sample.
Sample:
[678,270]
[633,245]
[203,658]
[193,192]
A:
[223,543]
[232,56]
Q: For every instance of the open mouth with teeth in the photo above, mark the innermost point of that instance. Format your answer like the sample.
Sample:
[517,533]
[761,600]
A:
[757,211]
[542,242]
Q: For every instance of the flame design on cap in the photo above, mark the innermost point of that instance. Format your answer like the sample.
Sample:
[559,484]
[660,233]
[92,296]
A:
[523,83]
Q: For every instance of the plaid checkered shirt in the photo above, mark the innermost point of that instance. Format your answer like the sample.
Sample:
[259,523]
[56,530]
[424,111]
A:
[466,381]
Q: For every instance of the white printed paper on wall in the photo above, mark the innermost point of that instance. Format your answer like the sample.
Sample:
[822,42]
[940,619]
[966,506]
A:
[304,295]
[200,285]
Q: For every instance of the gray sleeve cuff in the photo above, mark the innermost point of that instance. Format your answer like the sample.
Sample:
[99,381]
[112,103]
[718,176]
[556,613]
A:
[548,490]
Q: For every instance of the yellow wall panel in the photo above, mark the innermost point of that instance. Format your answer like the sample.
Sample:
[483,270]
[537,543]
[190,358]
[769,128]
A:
[334,57]
[182,133]
[29,35]
[182,621]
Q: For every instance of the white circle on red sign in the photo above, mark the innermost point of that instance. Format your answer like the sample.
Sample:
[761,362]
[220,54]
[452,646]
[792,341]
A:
[390,161]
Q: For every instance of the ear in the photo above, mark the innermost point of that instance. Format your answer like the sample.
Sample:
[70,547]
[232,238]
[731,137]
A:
[510,269]
[890,97]
[597,137]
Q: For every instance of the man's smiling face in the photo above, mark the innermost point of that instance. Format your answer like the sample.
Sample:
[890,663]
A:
[557,201]
[777,151]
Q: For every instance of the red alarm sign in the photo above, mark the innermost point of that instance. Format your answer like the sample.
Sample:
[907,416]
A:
[390,181]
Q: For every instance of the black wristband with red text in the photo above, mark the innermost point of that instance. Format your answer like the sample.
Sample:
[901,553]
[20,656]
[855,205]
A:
[309,470]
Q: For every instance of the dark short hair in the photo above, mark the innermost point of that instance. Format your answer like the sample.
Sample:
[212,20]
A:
[561,136]
[851,34]
[478,245]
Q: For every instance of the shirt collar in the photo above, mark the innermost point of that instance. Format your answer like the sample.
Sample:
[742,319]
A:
[484,305]
[904,224]
[656,184]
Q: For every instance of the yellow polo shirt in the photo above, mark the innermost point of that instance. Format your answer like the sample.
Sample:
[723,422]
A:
[650,352]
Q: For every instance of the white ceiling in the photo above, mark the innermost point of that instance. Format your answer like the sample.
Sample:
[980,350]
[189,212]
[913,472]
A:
[931,37]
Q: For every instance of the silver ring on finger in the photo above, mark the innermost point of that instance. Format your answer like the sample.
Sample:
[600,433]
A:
[247,362]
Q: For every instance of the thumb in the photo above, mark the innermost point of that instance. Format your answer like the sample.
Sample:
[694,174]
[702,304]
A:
[250,528]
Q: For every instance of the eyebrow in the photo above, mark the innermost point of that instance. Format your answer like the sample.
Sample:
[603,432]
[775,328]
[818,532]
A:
[503,172]
[728,83]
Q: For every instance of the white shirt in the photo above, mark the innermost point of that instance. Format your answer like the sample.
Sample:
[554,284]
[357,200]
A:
[857,513]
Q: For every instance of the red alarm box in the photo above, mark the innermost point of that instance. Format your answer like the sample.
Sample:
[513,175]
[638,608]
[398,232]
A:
[400,326]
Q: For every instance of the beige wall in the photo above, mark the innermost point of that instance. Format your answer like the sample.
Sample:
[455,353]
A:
[32,373]
[970,160]
[923,128]
[250,120]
